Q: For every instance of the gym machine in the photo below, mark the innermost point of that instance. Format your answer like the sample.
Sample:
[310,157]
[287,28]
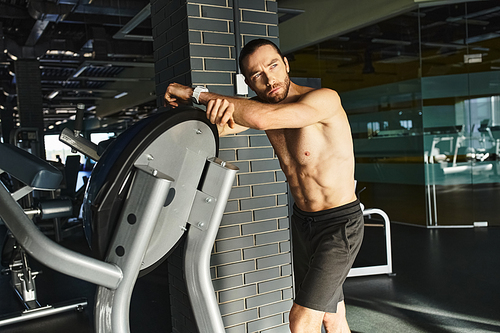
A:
[156,183]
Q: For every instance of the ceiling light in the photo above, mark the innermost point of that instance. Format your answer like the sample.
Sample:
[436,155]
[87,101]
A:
[92,108]
[120,95]
[53,94]
[51,127]
[58,123]
[13,57]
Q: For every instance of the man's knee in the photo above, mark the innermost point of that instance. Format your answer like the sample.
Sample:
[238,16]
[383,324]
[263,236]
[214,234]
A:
[336,322]
[303,319]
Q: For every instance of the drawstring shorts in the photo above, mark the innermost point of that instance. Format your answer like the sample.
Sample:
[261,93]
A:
[324,246]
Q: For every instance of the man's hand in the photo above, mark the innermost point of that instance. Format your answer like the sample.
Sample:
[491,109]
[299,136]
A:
[220,112]
[178,94]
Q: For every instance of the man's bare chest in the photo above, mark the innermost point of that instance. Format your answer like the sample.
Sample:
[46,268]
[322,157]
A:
[297,146]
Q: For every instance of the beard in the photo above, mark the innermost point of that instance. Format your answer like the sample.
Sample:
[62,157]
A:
[283,93]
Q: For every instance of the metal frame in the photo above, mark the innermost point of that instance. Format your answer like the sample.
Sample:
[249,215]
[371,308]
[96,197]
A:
[378,269]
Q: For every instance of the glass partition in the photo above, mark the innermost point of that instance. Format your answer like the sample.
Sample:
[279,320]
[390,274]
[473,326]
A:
[422,94]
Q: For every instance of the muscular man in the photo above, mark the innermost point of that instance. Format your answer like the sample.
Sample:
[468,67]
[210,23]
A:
[310,134]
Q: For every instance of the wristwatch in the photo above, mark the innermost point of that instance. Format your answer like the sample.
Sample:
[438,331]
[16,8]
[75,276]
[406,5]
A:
[196,93]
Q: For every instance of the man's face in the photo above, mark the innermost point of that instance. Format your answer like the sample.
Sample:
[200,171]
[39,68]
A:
[267,74]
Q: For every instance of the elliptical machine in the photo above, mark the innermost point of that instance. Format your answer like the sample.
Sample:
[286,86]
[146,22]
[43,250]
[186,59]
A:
[158,182]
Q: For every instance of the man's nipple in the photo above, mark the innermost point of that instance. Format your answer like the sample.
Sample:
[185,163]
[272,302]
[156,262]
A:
[307,153]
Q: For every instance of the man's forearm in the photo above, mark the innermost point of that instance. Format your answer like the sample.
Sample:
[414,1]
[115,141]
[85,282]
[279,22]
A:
[246,110]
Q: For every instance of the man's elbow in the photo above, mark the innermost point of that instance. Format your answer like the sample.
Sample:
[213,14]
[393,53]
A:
[260,124]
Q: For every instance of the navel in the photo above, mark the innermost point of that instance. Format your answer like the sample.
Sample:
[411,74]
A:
[307,153]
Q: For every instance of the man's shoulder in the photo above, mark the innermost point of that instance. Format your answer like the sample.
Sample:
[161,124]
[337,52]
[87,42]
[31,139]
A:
[322,97]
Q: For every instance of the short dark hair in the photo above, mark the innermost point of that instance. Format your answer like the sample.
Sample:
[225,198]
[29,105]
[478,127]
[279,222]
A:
[252,46]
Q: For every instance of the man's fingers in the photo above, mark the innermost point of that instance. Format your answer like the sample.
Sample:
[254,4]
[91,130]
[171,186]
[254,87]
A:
[228,113]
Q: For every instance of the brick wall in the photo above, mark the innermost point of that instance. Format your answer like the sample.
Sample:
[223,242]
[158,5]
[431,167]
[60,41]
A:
[195,44]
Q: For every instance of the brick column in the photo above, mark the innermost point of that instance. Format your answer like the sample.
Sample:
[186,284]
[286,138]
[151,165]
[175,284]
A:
[29,98]
[195,44]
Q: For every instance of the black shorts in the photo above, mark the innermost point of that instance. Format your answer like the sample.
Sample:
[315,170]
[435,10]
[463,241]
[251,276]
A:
[324,246]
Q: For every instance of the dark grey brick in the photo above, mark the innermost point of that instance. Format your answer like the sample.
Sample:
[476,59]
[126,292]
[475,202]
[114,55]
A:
[227,90]
[266,189]
[272,6]
[237,293]
[280,259]
[231,206]
[252,29]
[225,258]
[259,17]
[210,77]
[258,227]
[284,223]
[217,12]
[286,270]
[263,323]
[233,244]
[218,38]
[232,307]
[280,176]
[261,202]
[287,293]
[259,141]
[243,166]
[272,30]
[262,275]
[220,65]
[236,268]
[282,199]
[270,213]
[252,131]
[193,10]
[233,142]
[227,155]
[236,329]
[197,63]
[254,153]
[260,251]
[211,2]
[278,329]
[239,192]
[263,299]
[228,282]
[240,317]
[252,4]
[285,246]
[281,283]
[272,237]
[182,67]
[256,178]
[265,165]
[228,232]
[236,218]
[207,24]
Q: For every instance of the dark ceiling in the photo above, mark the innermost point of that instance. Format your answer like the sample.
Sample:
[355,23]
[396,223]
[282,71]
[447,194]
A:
[89,52]
[92,51]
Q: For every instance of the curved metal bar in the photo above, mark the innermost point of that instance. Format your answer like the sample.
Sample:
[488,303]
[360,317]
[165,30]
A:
[52,254]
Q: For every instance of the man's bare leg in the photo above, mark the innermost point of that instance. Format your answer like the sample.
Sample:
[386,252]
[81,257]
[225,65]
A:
[305,320]
[336,322]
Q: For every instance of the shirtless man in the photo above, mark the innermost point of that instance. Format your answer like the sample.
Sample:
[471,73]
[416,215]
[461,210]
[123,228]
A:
[310,134]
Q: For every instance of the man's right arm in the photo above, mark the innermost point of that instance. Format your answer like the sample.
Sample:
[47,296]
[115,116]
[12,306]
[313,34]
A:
[179,94]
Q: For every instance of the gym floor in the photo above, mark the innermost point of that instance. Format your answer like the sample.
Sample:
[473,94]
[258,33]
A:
[446,281]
